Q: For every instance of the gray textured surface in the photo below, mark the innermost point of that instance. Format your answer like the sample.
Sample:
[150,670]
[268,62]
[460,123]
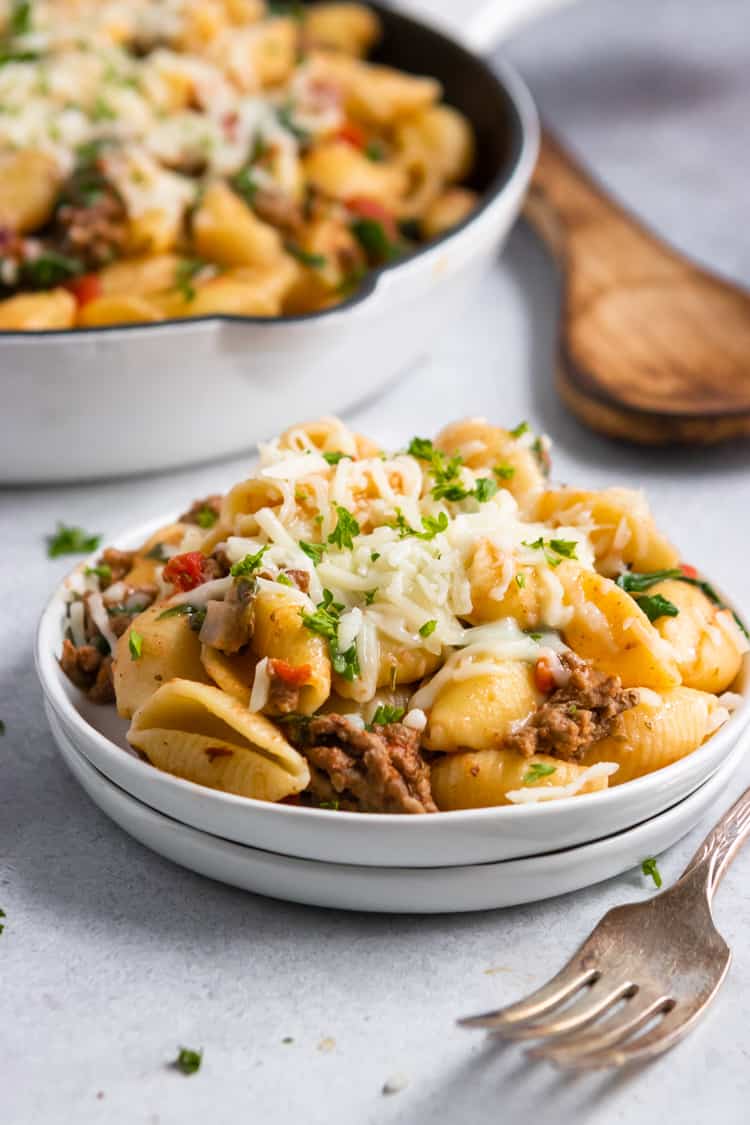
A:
[112,957]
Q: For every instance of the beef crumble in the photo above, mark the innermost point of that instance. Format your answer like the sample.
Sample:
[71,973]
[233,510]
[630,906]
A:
[209,504]
[368,771]
[585,709]
[89,670]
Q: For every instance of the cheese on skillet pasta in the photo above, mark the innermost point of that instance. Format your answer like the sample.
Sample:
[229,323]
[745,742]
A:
[162,159]
[431,629]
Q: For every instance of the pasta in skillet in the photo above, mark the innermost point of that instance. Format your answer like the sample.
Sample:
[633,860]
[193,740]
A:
[432,629]
[164,159]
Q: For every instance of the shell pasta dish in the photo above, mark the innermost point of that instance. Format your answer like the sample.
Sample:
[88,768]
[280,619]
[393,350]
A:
[162,159]
[433,629]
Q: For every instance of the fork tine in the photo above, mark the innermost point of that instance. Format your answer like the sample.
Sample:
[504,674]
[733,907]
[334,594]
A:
[667,1032]
[561,987]
[590,1007]
[610,1032]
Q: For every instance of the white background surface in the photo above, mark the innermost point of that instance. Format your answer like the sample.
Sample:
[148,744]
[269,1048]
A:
[112,957]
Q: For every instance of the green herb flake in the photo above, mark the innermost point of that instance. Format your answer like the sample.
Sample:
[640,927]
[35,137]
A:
[656,606]
[185,273]
[564,547]
[370,596]
[634,583]
[536,771]
[102,110]
[244,185]
[71,541]
[313,551]
[433,525]
[206,517]
[135,645]
[334,458]
[374,556]
[247,566]
[288,1038]
[375,152]
[284,580]
[520,580]
[372,237]
[650,870]
[504,472]
[195,613]
[535,637]
[49,269]
[306,257]
[386,714]
[21,18]
[428,628]
[345,530]
[334,805]
[325,620]
[285,118]
[422,449]
[188,1061]
[485,489]
[519,430]
[103,571]
[2,912]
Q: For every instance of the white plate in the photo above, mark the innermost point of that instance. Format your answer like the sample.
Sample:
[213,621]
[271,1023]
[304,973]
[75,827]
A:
[398,890]
[452,838]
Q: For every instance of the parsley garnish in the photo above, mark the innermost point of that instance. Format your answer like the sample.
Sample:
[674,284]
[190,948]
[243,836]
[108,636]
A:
[536,771]
[521,429]
[555,550]
[244,185]
[650,869]
[21,21]
[375,152]
[535,637]
[306,257]
[135,645]
[634,583]
[345,663]
[656,606]
[285,119]
[485,489]
[249,564]
[504,472]
[284,580]
[422,449]
[372,237]
[374,556]
[313,551]
[334,458]
[564,547]
[196,614]
[71,541]
[520,581]
[50,269]
[188,1061]
[346,528]
[428,628]
[386,714]
[102,110]
[185,272]
[432,525]
[102,571]
[370,596]
[325,621]
[206,517]
[2,915]
[323,805]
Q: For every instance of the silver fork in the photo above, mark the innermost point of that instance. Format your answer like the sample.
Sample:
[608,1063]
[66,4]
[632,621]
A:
[644,975]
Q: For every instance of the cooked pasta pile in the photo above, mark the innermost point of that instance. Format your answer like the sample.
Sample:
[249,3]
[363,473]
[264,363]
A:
[438,628]
[178,158]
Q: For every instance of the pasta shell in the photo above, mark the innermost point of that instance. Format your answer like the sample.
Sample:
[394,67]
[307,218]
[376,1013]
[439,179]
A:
[483,779]
[483,446]
[169,649]
[478,713]
[706,640]
[204,735]
[279,633]
[233,674]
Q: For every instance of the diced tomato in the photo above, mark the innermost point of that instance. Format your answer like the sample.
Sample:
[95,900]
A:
[353,134]
[543,678]
[688,570]
[293,674]
[185,572]
[229,123]
[368,208]
[86,288]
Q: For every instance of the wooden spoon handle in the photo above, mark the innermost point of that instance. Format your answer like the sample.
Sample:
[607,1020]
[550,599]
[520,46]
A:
[652,348]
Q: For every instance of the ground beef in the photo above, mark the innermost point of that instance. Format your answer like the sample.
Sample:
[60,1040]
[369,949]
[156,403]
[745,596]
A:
[283,696]
[95,231]
[119,562]
[586,709]
[371,771]
[89,670]
[210,504]
[300,578]
[135,600]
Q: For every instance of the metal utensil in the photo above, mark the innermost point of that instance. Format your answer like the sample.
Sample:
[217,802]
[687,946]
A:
[642,978]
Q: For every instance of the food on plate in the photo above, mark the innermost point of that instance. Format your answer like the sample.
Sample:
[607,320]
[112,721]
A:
[432,629]
[168,160]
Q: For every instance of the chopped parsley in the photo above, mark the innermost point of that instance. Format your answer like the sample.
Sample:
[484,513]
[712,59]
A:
[346,663]
[188,1061]
[285,118]
[536,771]
[656,606]
[334,805]
[71,541]
[2,915]
[244,185]
[504,472]
[555,550]
[334,458]
[196,614]
[386,714]
[325,621]
[634,583]
[346,528]
[374,556]
[535,637]
[206,517]
[375,152]
[370,596]
[433,525]
[102,110]
[249,564]
[313,551]
[519,430]
[102,571]
[185,273]
[284,580]
[485,489]
[135,644]
[306,257]
[520,580]
[422,449]
[21,18]
[650,870]
[428,628]
[372,237]
[50,269]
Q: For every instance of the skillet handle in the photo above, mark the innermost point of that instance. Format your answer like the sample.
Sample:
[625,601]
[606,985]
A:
[479,24]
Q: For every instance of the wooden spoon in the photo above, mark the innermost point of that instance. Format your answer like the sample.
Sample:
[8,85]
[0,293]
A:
[653,349]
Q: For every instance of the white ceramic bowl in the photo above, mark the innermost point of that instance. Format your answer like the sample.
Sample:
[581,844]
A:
[399,890]
[447,839]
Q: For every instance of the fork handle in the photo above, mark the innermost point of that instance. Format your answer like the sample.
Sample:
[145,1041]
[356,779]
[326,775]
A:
[721,845]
